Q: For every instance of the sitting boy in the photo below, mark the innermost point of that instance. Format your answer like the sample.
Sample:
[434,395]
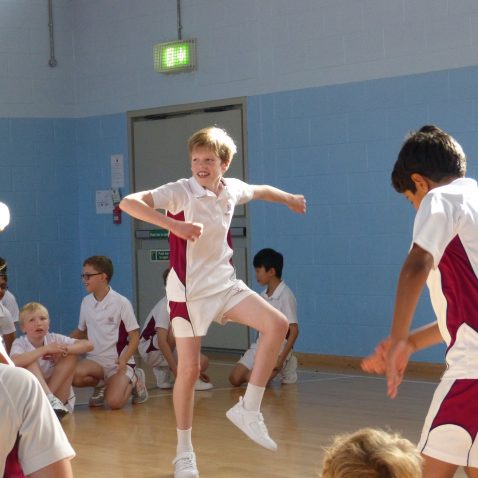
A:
[371,453]
[157,347]
[8,300]
[268,264]
[51,357]
[108,321]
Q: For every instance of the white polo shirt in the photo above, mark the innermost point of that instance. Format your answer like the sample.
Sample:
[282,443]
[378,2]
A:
[10,303]
[157,318]
[283,299]
[201,268]
[107,323]
[23,344]
[6,322]
[446,226]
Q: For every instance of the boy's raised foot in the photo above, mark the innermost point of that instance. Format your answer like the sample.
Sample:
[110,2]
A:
[58,407]
[98,397]
[252,424]
[185,465]
[140,392]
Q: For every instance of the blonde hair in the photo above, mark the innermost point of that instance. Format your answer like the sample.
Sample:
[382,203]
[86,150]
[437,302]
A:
[32,307]
[215,139]
[371,453]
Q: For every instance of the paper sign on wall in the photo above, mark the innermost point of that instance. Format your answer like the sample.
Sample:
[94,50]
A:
[117,171]
[104,202]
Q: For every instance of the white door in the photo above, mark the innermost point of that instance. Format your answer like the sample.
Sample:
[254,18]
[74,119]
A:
[160,155]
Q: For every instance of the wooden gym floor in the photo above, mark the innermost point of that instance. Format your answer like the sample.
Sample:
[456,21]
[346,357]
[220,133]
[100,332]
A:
[139,441]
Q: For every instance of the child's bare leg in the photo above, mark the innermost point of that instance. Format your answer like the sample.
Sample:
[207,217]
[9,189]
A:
[118,390]
[34,368]
[62,377]
[239,374]
[188,349]
[255,312]
[433,468]
[471,472]
[87,374]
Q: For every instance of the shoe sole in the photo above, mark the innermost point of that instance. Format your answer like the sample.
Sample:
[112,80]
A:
[60,413]
[232,417]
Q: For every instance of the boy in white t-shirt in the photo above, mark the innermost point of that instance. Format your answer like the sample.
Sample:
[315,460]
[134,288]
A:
[107,319]
[8,300]
[268,264]
[157,347]
[430,172]
[51,357]
[202,284]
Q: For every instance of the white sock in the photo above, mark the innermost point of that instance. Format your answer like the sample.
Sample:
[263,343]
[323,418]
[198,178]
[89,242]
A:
[253,397]
[50,396]
[184,441]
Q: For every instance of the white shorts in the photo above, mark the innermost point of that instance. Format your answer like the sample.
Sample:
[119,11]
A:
[151,354]
[110,367]
[451,426]
[193,318]
[250,355]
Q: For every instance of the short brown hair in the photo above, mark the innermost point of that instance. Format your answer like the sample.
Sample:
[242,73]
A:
[101,264]
[32,307]
[215,139]
[372,453]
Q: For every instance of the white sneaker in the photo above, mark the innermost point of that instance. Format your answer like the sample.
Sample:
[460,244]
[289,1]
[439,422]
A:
[140,392]
[252,424]
[202,385]
[185,465]
[98,397]
[289,371]
[163,377]
[58,407]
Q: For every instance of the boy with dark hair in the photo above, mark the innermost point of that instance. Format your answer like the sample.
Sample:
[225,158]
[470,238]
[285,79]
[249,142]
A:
[8,300]
[202,286]
[430,172]
[108,321]
[268,264]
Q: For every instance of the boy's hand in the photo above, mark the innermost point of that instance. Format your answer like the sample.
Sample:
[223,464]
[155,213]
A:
[297,203]
[121,365]
[54,351]
[376,362]
[204,377]
[397,360]
[189,231]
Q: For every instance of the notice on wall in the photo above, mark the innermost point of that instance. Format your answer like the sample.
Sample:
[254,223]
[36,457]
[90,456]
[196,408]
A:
[104,202]
[117,171]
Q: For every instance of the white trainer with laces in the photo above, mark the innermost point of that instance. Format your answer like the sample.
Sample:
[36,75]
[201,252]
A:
[58,407]
[163,377]
[140,392]
[252,424]
[98,397]
[202,385]
[185,465]
[289,371]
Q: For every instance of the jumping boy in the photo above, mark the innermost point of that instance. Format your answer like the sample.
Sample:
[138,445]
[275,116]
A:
[108,321]
[51,357]
[202,285]
[157,347]
[268,264]
[430,172]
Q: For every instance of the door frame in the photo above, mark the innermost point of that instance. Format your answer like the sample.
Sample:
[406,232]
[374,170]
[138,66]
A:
[178,110]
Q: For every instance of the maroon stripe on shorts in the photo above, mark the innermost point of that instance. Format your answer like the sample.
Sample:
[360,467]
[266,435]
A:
[177,250]
[178,309]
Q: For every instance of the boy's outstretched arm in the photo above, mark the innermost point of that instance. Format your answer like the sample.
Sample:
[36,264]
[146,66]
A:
[140,205]
[295,202]
[412,279]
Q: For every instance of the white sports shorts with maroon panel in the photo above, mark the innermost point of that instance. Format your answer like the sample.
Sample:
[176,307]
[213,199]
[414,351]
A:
[193,318]
[451,426]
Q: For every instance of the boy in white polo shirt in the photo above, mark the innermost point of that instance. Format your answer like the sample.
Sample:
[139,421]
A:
[202,284]
[7,326]
[108,321]
[8,300]
[268,264]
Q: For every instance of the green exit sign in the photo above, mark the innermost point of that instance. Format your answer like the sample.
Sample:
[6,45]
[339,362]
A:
[175,56]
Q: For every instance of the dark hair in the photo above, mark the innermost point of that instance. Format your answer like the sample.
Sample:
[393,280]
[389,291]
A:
[101,264]
[269,258]
[431,152]
[3,267]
